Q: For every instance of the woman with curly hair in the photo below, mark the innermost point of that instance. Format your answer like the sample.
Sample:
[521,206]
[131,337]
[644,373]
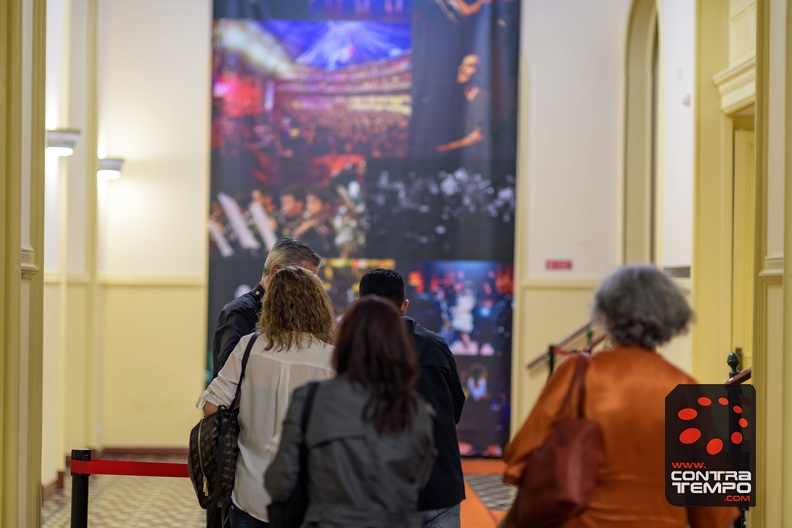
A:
[297,325]
[368,437]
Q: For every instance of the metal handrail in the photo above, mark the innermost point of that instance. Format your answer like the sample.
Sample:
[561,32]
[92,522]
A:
[541,358]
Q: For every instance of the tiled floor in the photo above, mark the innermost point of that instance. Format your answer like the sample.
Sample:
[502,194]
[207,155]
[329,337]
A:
[170,502]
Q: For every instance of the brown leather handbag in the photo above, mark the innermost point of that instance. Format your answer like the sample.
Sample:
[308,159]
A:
[559,476]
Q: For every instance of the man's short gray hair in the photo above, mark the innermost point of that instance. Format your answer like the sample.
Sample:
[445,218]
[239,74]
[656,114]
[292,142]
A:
[639,305]
[290,252]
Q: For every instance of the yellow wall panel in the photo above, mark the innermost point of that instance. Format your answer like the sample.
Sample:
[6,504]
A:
[549,313]
[771,385]
[153,349]
[77,382]
[51,448]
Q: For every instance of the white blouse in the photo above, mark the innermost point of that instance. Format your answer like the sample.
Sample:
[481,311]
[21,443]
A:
[270,380]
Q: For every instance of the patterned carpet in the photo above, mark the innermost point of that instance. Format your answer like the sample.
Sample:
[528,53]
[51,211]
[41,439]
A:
[495,495]
[170,502]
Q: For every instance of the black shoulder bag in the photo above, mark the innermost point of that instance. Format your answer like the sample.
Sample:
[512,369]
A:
[291,512]
[213,449]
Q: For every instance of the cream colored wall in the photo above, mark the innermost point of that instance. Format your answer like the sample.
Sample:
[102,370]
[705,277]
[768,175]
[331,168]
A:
[154,107]
[570,173]
[572,146]
[677,25]
[154,112]
[153,361]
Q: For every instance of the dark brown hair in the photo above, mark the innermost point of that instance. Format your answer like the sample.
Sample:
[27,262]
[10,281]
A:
[295,306]
[374,351]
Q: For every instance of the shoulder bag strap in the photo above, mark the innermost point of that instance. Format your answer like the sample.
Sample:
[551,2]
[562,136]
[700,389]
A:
[578,381]
[580,372]
[245,358]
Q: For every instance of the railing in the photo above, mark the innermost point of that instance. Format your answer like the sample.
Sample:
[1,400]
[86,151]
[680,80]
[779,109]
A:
[562,348]
[83,467]
[738,378]
[735,376]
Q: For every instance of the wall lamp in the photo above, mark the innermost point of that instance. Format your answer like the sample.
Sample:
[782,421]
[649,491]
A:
[61,142]
[110,168]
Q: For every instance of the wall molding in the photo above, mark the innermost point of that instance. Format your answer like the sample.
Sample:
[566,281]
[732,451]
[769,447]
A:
[559,284]
[737,85]
[153,281]
[71,279]
[28,263]
[772,269]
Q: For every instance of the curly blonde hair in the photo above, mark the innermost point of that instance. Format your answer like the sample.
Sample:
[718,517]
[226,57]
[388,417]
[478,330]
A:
[295,306]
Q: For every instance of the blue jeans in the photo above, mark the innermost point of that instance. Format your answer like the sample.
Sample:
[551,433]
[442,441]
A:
[442,518]
[242,519]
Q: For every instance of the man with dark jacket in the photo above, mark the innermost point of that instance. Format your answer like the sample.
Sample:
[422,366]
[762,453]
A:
[239,317]
[438,382]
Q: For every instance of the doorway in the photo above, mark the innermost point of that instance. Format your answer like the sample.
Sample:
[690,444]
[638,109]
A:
[743,239]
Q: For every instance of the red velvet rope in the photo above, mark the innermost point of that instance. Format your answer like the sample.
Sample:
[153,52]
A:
[123,467]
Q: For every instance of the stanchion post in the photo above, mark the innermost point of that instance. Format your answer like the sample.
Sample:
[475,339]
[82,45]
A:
[79,502]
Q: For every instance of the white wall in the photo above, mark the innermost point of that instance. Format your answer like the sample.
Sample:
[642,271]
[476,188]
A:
[575,53]
[677,25]
[54,118]
[154,112]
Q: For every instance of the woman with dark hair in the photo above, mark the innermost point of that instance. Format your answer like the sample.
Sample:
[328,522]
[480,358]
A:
[640,308]
[296,325]
[369,436]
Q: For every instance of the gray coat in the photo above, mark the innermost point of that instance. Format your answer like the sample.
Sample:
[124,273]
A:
[356,478]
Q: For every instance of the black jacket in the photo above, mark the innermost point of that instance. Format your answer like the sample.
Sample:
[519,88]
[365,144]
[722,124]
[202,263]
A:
[438,382]
[238,319]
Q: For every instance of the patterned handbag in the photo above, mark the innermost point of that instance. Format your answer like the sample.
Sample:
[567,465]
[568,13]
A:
[213,449]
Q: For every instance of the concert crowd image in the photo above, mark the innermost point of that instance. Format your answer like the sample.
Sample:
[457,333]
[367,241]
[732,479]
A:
[383,134]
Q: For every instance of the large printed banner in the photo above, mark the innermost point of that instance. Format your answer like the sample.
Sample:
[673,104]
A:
[382,133]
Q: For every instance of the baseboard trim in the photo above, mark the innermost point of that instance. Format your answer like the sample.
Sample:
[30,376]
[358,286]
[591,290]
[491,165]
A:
[47,490]
[142,451]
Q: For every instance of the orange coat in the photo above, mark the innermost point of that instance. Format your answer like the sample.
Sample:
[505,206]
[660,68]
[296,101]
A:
[625,394]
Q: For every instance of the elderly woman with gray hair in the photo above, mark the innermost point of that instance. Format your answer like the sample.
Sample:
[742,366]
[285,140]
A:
[641,309]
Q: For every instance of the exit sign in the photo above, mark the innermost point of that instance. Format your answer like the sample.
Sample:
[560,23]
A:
[558,264]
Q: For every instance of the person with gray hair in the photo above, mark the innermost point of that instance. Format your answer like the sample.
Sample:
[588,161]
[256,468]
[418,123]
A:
[639,305]
[238,318]
[640,309]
